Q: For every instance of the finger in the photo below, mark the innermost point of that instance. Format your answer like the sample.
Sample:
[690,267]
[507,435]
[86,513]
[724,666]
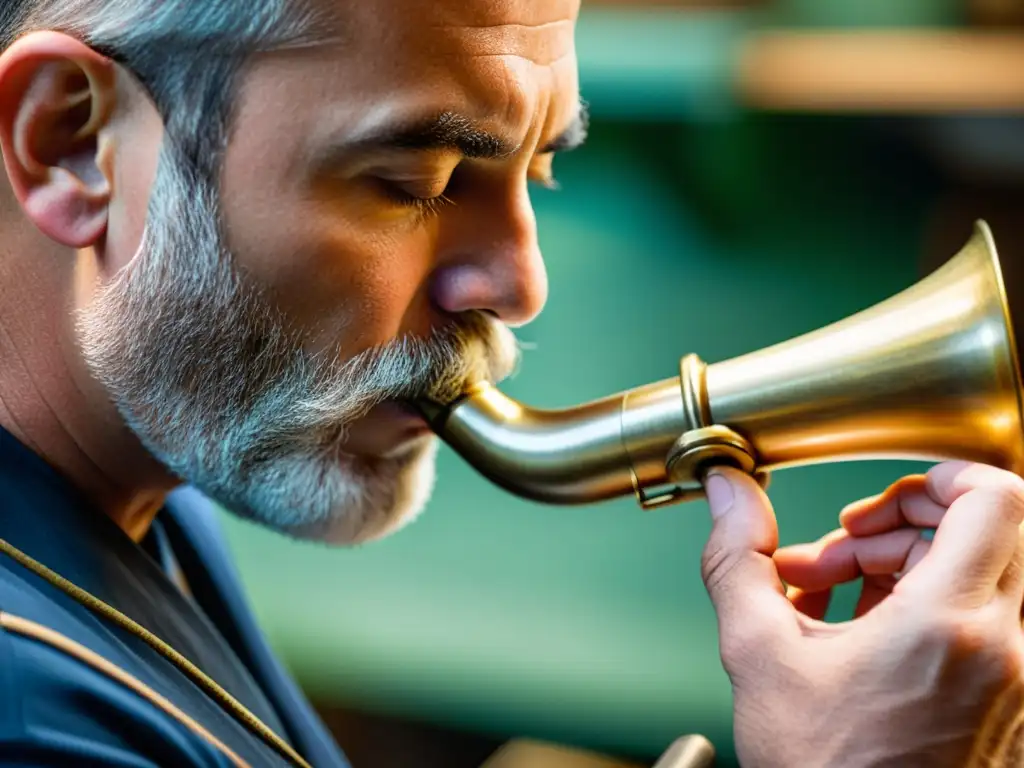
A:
[874,590]
[979,534]
[917,551]
[814,605]
[1011,584]
[737,566]
[878,588]
[839,558]
[905,503]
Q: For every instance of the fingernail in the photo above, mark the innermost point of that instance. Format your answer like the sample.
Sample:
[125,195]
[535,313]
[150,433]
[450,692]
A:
[720,494]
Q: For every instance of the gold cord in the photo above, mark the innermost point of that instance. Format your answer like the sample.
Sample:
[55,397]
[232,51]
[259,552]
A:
[228,702]
[65,645]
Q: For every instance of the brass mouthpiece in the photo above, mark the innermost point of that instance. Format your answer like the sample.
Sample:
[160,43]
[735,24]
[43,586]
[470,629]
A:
[930,374]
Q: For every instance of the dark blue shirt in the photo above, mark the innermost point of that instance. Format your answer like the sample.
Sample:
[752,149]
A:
[56,709]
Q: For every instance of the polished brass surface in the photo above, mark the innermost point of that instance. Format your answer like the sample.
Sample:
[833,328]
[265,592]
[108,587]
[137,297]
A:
[700,449]
[930,374]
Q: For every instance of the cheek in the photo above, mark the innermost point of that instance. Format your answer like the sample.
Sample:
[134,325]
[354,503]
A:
[335,280]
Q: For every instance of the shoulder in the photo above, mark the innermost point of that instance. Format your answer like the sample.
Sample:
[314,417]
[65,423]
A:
[63,704]
[72,692]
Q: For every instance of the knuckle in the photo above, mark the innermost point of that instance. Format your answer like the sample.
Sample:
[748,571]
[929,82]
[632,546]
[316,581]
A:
[970,653]
[959,634]
[972,638]
[1014,486]
[742,645]
[997,493]
[716,564]
[945,472]
[742,639]
[978,476]
[1007,483]
[1008,664]
[1006,496]
[952,479]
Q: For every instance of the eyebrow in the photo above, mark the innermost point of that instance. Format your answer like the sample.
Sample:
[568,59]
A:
[455,132]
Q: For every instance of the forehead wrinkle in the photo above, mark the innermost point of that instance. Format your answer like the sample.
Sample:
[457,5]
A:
[509,25]
[544,45]
[516,55]
[502,48]
[507,12]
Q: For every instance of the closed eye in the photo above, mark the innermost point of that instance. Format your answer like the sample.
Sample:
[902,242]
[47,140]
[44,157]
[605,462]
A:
[423,206]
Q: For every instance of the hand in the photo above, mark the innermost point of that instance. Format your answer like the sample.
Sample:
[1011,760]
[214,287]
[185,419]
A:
[929,671]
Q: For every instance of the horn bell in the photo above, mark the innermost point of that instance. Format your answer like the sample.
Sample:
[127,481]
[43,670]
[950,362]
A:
[929,374]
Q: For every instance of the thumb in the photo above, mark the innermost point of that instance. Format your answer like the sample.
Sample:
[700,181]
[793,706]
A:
[737,566]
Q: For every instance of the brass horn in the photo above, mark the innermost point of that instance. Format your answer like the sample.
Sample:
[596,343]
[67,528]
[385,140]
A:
[929,374]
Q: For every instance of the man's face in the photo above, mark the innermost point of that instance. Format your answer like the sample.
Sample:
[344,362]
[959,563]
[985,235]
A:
[369,241]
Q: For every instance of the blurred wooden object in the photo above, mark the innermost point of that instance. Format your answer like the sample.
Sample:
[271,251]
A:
[687,752]
[390,741]
[883,71]
[996,13]
[525,753]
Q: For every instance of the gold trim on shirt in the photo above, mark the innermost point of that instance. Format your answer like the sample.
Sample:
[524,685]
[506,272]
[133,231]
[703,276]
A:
[227,702]
[66,645]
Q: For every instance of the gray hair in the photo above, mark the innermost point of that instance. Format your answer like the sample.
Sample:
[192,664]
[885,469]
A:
[200,362]
[187,54]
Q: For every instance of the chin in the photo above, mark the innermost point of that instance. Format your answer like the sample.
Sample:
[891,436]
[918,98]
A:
[357,500]
[402,504]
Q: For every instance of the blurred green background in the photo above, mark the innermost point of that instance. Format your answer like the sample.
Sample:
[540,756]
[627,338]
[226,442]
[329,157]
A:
[689,223]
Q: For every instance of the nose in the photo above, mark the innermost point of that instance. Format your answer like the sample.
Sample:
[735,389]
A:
[493,262]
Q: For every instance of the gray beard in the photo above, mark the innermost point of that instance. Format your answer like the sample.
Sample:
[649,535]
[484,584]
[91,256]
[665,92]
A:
[205,371]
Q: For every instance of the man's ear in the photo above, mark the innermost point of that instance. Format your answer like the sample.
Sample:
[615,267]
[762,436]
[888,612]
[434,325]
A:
[57,96]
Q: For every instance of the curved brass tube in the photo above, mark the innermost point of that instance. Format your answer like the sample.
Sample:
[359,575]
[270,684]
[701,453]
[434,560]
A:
[930,374]
[600,450]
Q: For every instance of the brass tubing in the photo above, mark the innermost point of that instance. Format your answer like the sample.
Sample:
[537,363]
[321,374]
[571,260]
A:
[930,374]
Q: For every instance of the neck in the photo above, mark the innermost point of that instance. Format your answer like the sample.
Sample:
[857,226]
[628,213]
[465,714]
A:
[48,400]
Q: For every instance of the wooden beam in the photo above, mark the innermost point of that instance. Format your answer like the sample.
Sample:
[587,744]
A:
[878,72]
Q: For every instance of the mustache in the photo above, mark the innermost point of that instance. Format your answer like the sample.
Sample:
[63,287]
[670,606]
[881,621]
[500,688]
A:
[469,348]
[482,349]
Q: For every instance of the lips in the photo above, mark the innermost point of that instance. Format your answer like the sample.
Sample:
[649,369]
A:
[401,411]
[403,408]
[389,426]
